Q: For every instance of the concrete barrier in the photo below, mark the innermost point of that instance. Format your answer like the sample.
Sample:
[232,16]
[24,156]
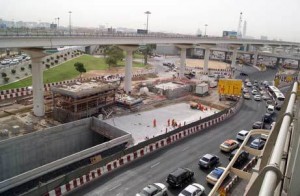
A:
[147,147]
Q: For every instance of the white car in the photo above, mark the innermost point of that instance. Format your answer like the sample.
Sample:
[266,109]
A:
[155,189]
[254,92]
[192,190]
[257,97]
[242,135]
[249,84]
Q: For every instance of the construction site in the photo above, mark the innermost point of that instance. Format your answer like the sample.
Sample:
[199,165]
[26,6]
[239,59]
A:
[98,119]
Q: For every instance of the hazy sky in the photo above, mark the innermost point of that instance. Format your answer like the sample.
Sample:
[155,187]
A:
[277,19]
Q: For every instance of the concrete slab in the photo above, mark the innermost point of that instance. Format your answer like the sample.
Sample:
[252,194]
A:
[140,125]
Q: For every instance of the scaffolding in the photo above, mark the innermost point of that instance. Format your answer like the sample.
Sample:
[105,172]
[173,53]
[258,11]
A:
[77,100]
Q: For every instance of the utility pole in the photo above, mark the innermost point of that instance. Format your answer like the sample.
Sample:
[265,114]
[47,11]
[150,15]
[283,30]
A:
[70,29]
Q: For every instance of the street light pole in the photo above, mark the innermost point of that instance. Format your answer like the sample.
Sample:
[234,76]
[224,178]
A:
[205,30]
[57,22]
[70,29]
[147,12]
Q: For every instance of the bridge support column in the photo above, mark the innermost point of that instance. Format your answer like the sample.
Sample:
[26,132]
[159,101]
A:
[255,56]
[182,62]
[88,50]
[206,59]
[273,49]
[183,49]
[37,79]
[277,62]
[225,57]
[128,67]
[299,64]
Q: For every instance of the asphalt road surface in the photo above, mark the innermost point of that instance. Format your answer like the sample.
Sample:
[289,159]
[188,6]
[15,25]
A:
[130,179]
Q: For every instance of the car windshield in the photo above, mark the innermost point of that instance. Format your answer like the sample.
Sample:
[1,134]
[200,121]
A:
[144,193]
[185,193]
[226,144]
[204,159]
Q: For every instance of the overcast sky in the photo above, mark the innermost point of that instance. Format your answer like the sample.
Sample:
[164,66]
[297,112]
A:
[277,19]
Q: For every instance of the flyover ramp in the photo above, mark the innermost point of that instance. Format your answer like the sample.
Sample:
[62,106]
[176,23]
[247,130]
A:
[33,155]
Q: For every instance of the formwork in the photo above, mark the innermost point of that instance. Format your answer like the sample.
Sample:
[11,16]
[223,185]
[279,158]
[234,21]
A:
[77,100]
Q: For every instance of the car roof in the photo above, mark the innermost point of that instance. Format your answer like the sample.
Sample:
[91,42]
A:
[230,141]
[209,156]
[218,170]
[191,188]
[150,188]
[244,132]
[179,171]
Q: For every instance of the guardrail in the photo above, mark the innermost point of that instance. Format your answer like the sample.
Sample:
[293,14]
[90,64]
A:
[72,180]
[269,176]
[273,173]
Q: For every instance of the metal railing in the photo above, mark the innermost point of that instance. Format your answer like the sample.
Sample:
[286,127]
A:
[271,177]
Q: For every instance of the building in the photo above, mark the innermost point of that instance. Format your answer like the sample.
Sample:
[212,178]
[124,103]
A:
[80,100]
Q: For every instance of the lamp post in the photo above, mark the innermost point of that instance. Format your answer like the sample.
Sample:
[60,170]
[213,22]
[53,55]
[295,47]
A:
[147,12]
[70,29]
[205,30]
[57,22]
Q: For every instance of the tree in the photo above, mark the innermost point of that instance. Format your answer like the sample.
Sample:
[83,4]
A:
[113,54]
[6,79]
[80,68]
[147,50]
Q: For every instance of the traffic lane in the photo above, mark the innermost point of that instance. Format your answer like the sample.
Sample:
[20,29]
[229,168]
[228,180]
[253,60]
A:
[131,178]
[254,74]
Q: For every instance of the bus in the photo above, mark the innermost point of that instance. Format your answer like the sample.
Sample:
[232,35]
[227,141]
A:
[277,95]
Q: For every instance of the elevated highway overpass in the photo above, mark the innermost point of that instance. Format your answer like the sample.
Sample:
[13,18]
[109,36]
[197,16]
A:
[51,40]
[33,44]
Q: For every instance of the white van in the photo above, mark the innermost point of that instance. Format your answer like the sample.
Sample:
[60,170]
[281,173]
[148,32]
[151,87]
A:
[270,109]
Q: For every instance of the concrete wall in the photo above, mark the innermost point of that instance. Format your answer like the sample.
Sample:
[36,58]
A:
[177,92]
[27,152]
[106,129]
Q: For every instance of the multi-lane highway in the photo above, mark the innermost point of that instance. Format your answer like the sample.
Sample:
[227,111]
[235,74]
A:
[131,178]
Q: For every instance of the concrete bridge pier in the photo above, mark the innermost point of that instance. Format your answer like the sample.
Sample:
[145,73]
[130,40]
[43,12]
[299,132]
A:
[183,49]
[257,47]
[128,67]
[225,57]
[234,54]
[206,59]
[36,55]
[277,62]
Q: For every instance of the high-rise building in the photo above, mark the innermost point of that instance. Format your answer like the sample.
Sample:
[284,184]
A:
[245,29]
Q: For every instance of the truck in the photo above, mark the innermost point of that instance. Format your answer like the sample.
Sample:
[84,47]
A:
[202,89]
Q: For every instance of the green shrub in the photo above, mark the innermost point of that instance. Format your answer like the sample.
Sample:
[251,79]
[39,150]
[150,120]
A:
[3,74]
[6,79]
[22,68]
[13,71]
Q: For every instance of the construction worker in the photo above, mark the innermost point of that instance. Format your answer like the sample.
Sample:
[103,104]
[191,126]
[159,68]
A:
[154,122]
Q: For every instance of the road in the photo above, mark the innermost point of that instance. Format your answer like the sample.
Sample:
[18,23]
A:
[131,178]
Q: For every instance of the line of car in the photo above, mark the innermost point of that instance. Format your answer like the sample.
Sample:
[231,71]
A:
[15,60]
[181,177]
